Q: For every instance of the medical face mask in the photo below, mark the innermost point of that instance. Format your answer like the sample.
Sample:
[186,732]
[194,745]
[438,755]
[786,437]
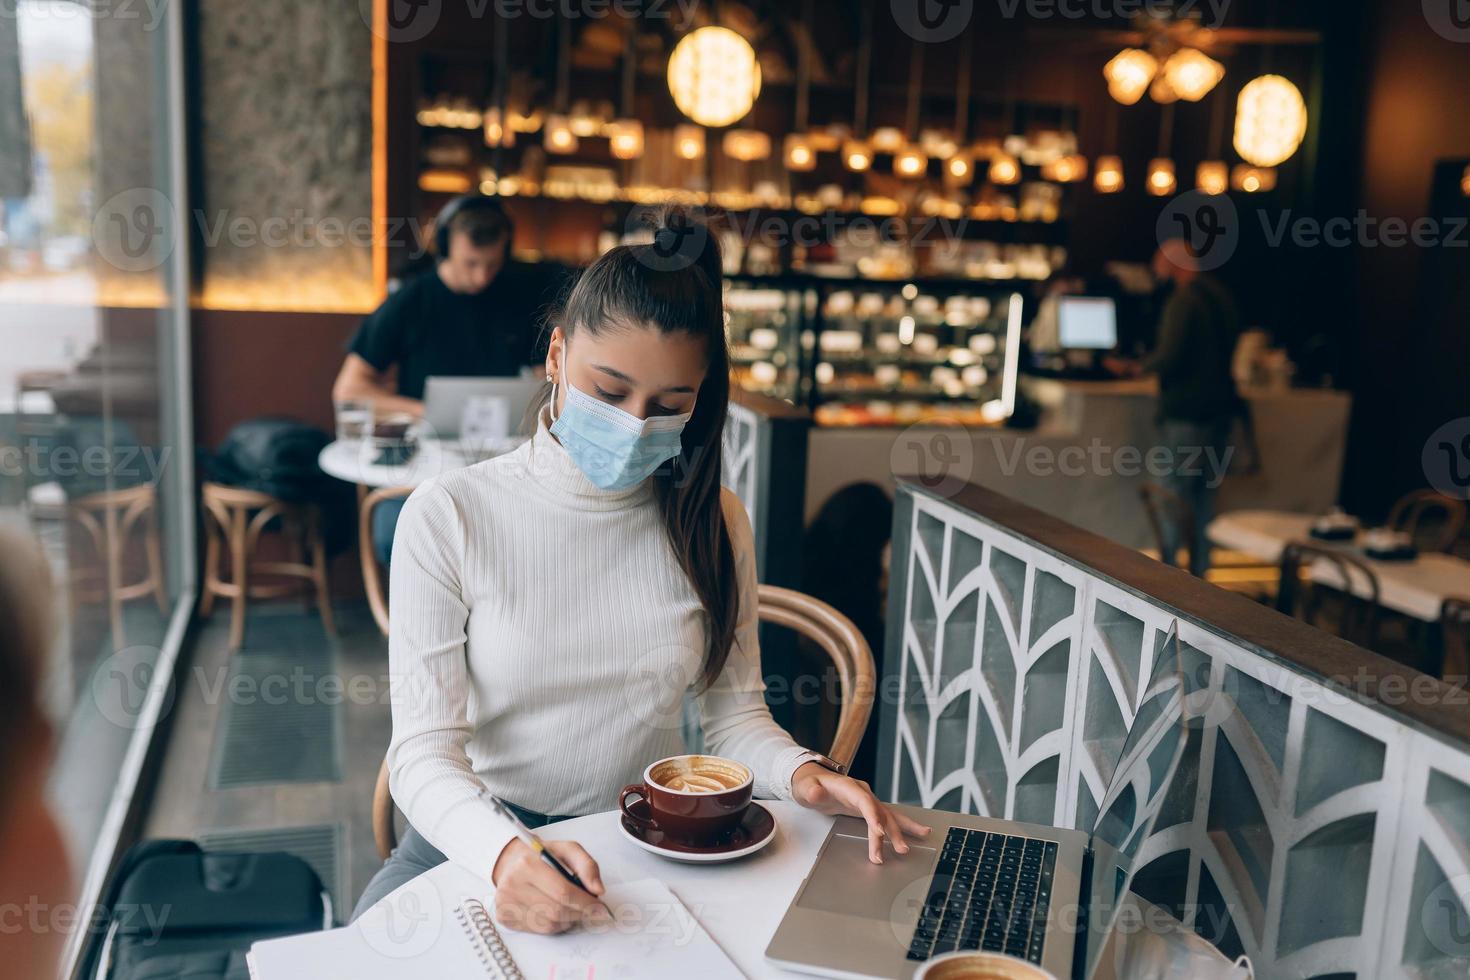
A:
[613,448]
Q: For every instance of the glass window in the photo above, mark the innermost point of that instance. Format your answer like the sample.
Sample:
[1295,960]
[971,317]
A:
[93,420]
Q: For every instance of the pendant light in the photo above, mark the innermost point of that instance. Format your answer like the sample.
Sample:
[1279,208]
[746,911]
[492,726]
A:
[1162,180]
[1107,176]
[1192,74]
[689,141]
[1270,121]
[558,136]
[625,134]
[1129,74]
[857,153]
[910,161]
[1212,176]
[714,76]
[799,150]
[1253,180]
[959,168]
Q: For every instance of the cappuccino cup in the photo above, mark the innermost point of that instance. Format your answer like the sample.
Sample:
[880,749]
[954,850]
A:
[692,799]
[971,965]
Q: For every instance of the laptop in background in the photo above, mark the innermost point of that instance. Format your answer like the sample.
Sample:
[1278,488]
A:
[446,397]
[1045,894]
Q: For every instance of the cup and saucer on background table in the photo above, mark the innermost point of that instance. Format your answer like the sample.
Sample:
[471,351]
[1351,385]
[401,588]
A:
[695,809]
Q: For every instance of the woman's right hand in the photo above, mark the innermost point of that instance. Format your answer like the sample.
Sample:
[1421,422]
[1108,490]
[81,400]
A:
[532,897]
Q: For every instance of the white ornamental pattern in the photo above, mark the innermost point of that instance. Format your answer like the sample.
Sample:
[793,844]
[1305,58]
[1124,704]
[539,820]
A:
[1311,831]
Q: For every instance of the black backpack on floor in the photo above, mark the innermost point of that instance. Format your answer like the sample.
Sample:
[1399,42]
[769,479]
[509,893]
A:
[176,912]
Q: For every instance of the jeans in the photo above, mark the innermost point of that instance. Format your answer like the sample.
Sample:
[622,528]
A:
[385,522]
[1199,461]
[414,855]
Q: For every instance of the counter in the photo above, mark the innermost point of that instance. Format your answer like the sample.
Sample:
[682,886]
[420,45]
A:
[1091,450]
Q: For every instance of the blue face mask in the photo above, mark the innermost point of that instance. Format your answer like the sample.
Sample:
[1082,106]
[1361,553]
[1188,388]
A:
[613,448]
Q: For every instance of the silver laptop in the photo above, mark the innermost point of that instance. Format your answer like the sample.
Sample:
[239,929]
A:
[445,399]
[1045,894]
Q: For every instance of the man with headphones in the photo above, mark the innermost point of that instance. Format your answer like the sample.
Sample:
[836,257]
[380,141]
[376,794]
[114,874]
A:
[477,312]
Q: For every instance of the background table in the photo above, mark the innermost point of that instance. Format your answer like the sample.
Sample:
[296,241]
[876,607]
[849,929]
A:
[1415,588]
[355,461]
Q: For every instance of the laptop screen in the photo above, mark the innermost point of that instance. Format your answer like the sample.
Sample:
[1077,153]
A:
[1136,793]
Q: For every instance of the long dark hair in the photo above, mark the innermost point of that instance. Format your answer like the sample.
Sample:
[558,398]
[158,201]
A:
[674,286]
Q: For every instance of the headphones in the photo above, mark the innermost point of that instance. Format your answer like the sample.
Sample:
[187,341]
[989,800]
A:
[461,204]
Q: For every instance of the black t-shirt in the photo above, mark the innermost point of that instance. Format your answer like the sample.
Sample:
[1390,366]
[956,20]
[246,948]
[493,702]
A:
[425,328]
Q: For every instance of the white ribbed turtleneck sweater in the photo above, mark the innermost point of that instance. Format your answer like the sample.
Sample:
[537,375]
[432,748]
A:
[543,637]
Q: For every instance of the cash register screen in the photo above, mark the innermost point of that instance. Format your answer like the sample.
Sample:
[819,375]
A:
[1087,323]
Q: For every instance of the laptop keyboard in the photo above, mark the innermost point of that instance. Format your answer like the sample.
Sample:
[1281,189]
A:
[990,892]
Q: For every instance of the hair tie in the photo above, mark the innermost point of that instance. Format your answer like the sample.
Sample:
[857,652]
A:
[667,239]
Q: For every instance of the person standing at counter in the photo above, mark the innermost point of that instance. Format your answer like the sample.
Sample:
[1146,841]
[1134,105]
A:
[477,312]
[1198,403]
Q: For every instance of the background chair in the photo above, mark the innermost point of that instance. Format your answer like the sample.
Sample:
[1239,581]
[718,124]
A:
[109,517]
[235,519]
[1355,613]
[1432,520]
[372,571]
[1454,638]
[809,617]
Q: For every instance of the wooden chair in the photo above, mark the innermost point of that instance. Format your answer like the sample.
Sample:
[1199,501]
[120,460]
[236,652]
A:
[372,571]
[110,517]
[1432,520]
[234,519]
[811,618]
[1301,596]
[1228,569]
[1454,640]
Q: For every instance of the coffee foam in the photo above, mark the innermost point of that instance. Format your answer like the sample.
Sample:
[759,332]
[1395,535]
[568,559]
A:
[699,774]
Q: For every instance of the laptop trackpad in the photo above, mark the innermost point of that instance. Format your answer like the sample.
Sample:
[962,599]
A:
[846,882]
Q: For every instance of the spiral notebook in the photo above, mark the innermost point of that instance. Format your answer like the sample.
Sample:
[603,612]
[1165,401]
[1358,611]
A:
[440,925]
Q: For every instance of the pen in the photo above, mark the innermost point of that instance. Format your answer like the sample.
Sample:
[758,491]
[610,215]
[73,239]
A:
[531,840]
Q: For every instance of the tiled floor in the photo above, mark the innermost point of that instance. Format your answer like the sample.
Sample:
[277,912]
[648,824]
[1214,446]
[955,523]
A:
[185,804]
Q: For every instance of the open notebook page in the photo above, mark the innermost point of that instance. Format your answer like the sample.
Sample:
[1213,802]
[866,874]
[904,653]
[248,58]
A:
[417,931]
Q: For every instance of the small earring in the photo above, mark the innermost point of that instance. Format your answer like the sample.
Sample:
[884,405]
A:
[548,376]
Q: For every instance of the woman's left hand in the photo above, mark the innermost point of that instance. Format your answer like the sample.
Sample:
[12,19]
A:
[822,789]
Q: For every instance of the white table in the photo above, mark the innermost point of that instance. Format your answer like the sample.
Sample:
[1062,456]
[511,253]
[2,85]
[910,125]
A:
[741,903]
[355,461]
[1415,588]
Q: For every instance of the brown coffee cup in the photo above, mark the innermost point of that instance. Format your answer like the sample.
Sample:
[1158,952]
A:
[968,965]
[694,799]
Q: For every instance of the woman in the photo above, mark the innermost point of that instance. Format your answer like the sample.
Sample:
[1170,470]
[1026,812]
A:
[552,606]
[34,870]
